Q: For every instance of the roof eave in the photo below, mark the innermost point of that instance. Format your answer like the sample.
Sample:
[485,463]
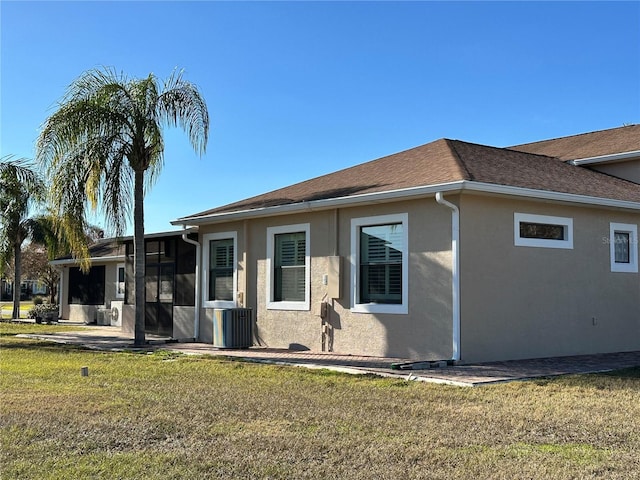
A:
[616,157]
[73,261]
[550,195]
[413,192]
[325,204]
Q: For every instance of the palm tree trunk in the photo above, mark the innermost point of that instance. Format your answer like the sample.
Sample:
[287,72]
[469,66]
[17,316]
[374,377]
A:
[139,256]
[17,273]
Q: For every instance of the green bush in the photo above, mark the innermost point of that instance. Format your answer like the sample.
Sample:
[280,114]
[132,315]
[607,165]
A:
[37,300]
[43,310]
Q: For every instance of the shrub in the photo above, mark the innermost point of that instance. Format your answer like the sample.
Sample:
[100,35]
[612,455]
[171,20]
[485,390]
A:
[37,300]
[43,310]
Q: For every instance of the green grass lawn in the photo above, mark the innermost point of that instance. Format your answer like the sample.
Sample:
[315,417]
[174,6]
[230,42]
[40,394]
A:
[161,415]
[6,308]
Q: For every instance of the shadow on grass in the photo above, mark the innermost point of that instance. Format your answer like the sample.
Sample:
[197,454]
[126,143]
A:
[621,379]
[631,372]
[8,343]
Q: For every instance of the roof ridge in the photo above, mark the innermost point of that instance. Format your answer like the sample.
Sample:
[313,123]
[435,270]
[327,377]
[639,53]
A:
[510,149]
[572,136]
[466,173]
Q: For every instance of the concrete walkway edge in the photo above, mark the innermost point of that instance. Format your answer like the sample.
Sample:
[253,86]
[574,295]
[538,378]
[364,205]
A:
[110,339]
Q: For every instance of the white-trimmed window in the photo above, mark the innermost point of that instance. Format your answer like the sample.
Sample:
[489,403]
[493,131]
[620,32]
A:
[120,283]
[288,267]
[623,241]
[380,264]
[542,231]
[219,261]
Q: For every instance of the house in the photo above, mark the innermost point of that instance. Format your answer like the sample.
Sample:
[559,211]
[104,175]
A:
[104,294]
[447,251]
[28,289]
[82,294]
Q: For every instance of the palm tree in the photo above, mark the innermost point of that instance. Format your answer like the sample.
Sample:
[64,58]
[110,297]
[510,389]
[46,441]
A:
[104,143]
[20,187]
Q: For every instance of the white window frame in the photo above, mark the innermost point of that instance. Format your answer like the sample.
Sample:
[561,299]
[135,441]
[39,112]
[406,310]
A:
[632,230]
[288,305]
[566,222]
[118,267]
[206,239]
[356,223]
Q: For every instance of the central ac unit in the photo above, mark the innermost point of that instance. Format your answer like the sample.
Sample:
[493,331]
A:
[103,316]
[232,327]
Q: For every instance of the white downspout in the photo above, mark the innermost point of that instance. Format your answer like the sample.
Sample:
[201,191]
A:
[455,272]
[196,320]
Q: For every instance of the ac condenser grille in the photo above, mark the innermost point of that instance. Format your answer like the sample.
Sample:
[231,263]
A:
[232,327]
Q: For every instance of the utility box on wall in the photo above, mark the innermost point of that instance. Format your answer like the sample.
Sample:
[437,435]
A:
[334,289]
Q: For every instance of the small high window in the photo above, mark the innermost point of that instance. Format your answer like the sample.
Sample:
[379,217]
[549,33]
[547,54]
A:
[543,231]
[623,240]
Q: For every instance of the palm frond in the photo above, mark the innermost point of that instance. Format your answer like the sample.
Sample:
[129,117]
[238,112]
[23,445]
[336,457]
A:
[182,105]
[23,174]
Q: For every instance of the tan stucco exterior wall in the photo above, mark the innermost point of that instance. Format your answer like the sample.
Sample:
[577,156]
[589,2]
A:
[525,302]
[423,333]
[627,170]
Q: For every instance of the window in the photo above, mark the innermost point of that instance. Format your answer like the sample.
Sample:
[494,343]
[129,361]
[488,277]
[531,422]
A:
[379,265]
[621,247]
[221,269]
[120,284]
[543,231]
[623,241]
[86,289]
[220,277]
[288,262]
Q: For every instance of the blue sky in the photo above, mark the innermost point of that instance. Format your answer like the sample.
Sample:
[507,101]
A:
[300,89]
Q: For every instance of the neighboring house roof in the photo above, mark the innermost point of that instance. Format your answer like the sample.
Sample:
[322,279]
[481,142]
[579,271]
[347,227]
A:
[588,145]
[107,249]
[114,248]
[444,162]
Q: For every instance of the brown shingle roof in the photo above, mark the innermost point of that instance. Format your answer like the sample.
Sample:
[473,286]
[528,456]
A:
[432,163]
[502,166]
[440,162]
[102,248]
[587,145]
